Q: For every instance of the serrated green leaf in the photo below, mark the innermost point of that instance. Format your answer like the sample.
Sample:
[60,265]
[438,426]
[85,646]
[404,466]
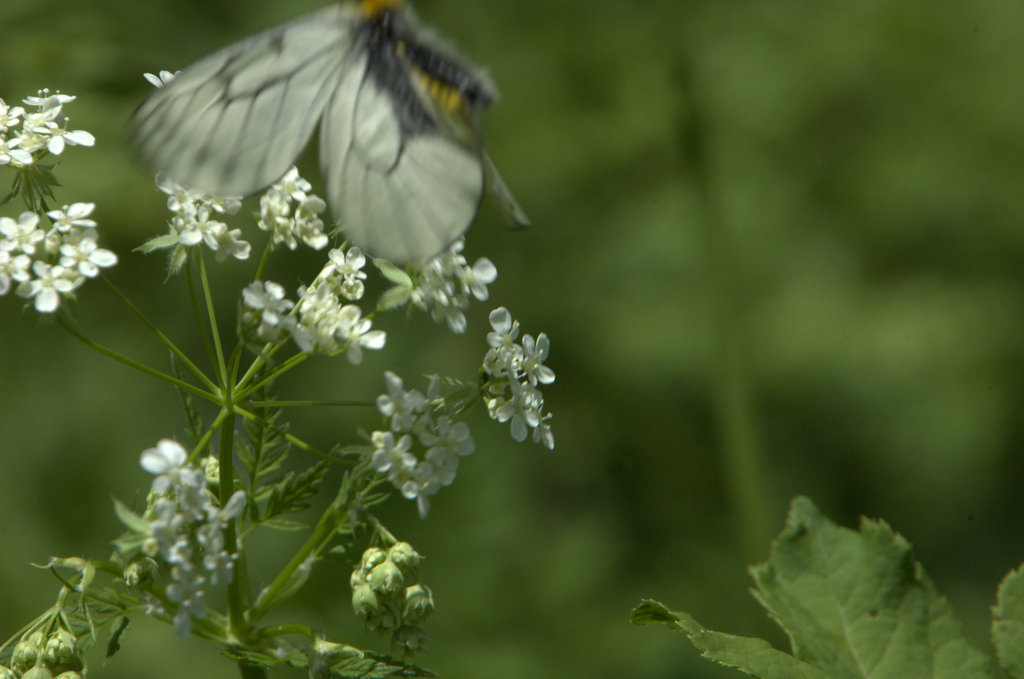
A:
[290,493]
[749,655]
[368,665]
[1008,623]
[283,653]
[857,604]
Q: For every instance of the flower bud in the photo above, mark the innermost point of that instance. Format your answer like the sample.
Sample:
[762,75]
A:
[372,557]
[70,674]
[385,577]
[404,556]
[419,603]
[150,546]
[364,601]
[211,470]
[38,672]
[27,652]
[140,571]
[7,673]
[62,652]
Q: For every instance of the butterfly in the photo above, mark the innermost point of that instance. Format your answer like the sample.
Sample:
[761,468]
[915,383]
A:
[400,147]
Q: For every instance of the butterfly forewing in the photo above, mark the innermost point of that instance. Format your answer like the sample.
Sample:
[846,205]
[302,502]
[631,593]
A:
[235,121]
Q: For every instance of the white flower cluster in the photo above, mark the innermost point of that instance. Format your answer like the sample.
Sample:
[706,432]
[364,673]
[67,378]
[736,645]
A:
[50,263]
[446,283]
[42,130]
[192,221]
[45,264]
[411,422]
[288,227]
[323,320]
[514,372]
[186,532]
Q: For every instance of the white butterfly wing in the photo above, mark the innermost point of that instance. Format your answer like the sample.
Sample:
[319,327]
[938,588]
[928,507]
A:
[401,195]
[235,121]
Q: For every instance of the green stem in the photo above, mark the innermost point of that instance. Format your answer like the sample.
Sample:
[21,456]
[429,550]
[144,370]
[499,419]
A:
[321,536]
[220,364]
[236,609]
[288,364]
[141,367]
[310,404]
[185,360]
[733,394]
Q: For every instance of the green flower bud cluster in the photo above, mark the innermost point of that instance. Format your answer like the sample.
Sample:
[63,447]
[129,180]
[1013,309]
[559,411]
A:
[41,656]
[387,594]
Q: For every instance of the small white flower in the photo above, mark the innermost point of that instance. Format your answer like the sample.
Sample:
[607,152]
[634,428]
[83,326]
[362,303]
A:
[392,456]
[177,195]
[9,116]
[166,456]
[304,225]
[534,353]
[10,154]
[49,283]
[224,242]
[403,407]
[74,215]
[267,308]
[86,257]
[21,235]
[444,284]
[354,332]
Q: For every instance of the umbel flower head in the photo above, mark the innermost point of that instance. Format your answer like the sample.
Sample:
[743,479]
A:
[45,262]
[183,531]
[420,452]
[514,372]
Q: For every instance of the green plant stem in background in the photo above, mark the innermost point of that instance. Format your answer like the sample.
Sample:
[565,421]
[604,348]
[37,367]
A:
[742,464]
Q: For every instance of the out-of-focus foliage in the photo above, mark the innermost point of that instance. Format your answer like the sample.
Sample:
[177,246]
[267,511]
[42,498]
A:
[846,260]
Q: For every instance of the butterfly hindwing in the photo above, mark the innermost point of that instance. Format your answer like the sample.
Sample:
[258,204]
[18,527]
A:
[401,191]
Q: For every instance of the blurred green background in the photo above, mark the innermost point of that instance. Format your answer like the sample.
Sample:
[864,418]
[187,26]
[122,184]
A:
[778,249]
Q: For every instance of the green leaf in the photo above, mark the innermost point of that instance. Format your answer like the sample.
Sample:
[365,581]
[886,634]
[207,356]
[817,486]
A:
[1008,624]
[130,519]
[857,604]
[291,492]
[365,665]
[747,654]
[394,297]
[284,525]
[854,604]
[393,273]
[114,645]
[158,243]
